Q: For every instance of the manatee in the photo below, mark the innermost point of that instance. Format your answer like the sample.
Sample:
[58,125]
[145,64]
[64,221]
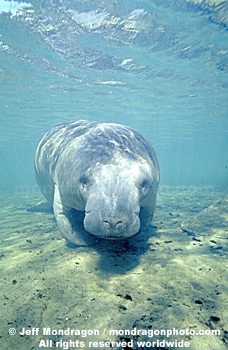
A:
[105,175]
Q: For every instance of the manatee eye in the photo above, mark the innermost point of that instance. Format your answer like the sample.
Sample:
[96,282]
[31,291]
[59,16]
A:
[83,182]
[144,187]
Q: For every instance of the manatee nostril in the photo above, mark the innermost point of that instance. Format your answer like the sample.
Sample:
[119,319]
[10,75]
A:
[119,224]
[113,224]
[106,224]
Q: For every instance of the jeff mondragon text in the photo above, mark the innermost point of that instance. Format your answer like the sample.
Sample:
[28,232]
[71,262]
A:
[150,333]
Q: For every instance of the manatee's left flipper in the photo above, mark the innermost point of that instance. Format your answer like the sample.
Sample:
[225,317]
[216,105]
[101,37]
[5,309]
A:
[146,216]
[64,225]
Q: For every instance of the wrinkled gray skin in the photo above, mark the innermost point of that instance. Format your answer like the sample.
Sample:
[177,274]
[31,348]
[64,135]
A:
[108,171]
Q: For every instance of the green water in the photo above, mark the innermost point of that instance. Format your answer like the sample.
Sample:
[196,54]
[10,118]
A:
[160,68]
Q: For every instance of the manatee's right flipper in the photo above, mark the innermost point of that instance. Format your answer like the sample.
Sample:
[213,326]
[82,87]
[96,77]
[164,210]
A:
[61,215]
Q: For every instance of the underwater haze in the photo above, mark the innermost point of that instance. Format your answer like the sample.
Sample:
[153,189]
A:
[160,67]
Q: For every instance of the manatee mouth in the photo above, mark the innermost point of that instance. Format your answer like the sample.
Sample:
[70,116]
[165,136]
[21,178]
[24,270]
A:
[114,237]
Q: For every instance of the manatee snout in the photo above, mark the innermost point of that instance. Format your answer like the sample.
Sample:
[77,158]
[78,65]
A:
[122,226]
[112,220]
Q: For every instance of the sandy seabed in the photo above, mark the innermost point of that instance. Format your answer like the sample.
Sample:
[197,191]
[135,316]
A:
[167,285]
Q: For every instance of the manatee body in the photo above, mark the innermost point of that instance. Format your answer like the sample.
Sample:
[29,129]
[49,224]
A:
[108,173]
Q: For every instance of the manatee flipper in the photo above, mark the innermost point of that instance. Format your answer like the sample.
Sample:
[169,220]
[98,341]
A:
[146,217]
[64,225]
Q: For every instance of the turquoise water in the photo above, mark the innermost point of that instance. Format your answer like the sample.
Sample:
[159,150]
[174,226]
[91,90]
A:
[160,67]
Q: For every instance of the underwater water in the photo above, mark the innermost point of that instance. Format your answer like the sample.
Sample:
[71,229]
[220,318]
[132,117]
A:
[160,67]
